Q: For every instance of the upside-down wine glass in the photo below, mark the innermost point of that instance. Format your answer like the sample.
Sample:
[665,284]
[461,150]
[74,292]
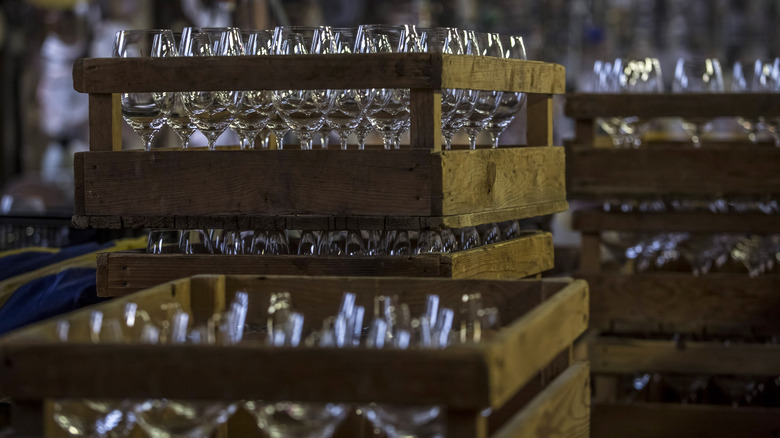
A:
[697,75]
[487,101]
[511,102]
[445,40]
[146,113]
[252,113]
[346,113]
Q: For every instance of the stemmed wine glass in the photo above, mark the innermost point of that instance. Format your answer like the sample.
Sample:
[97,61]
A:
[487,101]
[638,76]
[697,75]
[303,110]
[346,113]
[212,111]
[146,113]
[252,113]
[464,105]
[511,102]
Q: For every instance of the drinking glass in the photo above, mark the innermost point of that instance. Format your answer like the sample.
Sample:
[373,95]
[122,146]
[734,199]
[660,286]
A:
[487,101]
[697,75]
[146,113]
[212,111]
[179,121]
[195,242]
[607,80]
[163,242]
[445,40]
[303,110]
[511,102]
[638,76]
[256,108]
[346,113]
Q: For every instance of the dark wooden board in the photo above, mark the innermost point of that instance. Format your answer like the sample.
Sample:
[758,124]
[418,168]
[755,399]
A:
[593,221]
[591,106]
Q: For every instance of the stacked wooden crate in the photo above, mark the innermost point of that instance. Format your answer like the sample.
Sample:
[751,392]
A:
[634,315]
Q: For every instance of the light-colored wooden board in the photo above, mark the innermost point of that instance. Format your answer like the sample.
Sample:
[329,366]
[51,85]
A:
[594,221]
[673,171]
[561,410]
[383,70]
[613,355]
[515,258]
[672,420]
[590,106]
[539,120]
[680,302]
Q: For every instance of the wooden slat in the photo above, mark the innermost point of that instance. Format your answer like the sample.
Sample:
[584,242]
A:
[695,222]
[668,420]
[103,123]
[509,259]
[494,179]
[671,171]
[505,214]
[124,272]
[590,106]
[465,424]
[539,120]
[612,355]
[681,302]
[425,110]
[386,70]
[561,410]
[590,253]
[559,321]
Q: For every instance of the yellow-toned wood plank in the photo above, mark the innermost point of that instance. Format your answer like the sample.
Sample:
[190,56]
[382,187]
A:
[488,73]
[539,120]
[517,258]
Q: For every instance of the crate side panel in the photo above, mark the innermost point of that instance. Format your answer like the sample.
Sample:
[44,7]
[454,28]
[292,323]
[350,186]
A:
[517,258]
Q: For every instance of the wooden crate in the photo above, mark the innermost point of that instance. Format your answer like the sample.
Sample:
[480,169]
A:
[419,187]
[513,369]
[123,272]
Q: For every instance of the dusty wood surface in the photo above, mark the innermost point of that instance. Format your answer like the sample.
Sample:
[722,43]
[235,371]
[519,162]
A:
[699,222]
[104,122]
[515,258]
[671,420]
[680,302]
[539,120]
[671,171]
[590,106]
[561,410]
[386,70]
[425,112]
[611,355]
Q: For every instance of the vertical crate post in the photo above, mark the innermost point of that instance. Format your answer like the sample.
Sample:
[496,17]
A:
[105,122]
[425,111]
[539,120]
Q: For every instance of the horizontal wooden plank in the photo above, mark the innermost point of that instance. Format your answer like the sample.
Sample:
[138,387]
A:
[124,272]
[517,354]
[671,420]
[561,410]
[680,302]
[384,70]
[494,179]
[670,171]
[615,355]
[591,106]
[694,222]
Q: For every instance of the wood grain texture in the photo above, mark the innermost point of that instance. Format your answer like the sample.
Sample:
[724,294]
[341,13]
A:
[671,420]
[465,424]
[78,186]
[590,253]
[516,258]
[559,320]
[382,70]
[505,214]
[425,109]
[561,410]
[590,106]
[124,272]
[594,221]
[539,120]
[672,302]
[494,179]
[672,171]
[103,122]
[611,355]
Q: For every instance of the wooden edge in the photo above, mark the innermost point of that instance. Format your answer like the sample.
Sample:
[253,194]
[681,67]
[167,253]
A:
[524,212]
[560,410]
[673,420]
[539,120]
[517,354]
[527,255]
[625,355]
[593,105]
[78,180]
[590,220]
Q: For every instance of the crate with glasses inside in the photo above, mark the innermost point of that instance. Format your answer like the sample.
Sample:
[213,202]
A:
[681,256]
[311,354]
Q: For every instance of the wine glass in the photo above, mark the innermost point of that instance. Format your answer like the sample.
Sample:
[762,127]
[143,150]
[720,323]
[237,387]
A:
[639,76]
[697,75]
[607,80]
[444,40]
[464,105]
[486,103]
[387,108]
[252,113]
[303,110]
[196,241]
[346,113]
[212,111]
[511,102]
[146,113]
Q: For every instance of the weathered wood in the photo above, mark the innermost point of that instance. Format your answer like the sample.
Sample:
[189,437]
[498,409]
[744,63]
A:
[78,188]
[680,302]
[590,253]
[124,272]
[584,131]
[594,221]
[591,106]
[27,418]
[561,410]
[425,110]
[382,70]
[673,171]
[672,420]
[465,424]
[104,123]
[515,362]
[612,355]
[539,120]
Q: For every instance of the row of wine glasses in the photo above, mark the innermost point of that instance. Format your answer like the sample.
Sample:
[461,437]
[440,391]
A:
[390,326]
[730,390]
[720,205]
[14,236]
[331,243]
[308,112]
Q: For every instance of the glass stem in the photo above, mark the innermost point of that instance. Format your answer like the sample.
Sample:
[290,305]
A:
[305,139]
[361,138]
